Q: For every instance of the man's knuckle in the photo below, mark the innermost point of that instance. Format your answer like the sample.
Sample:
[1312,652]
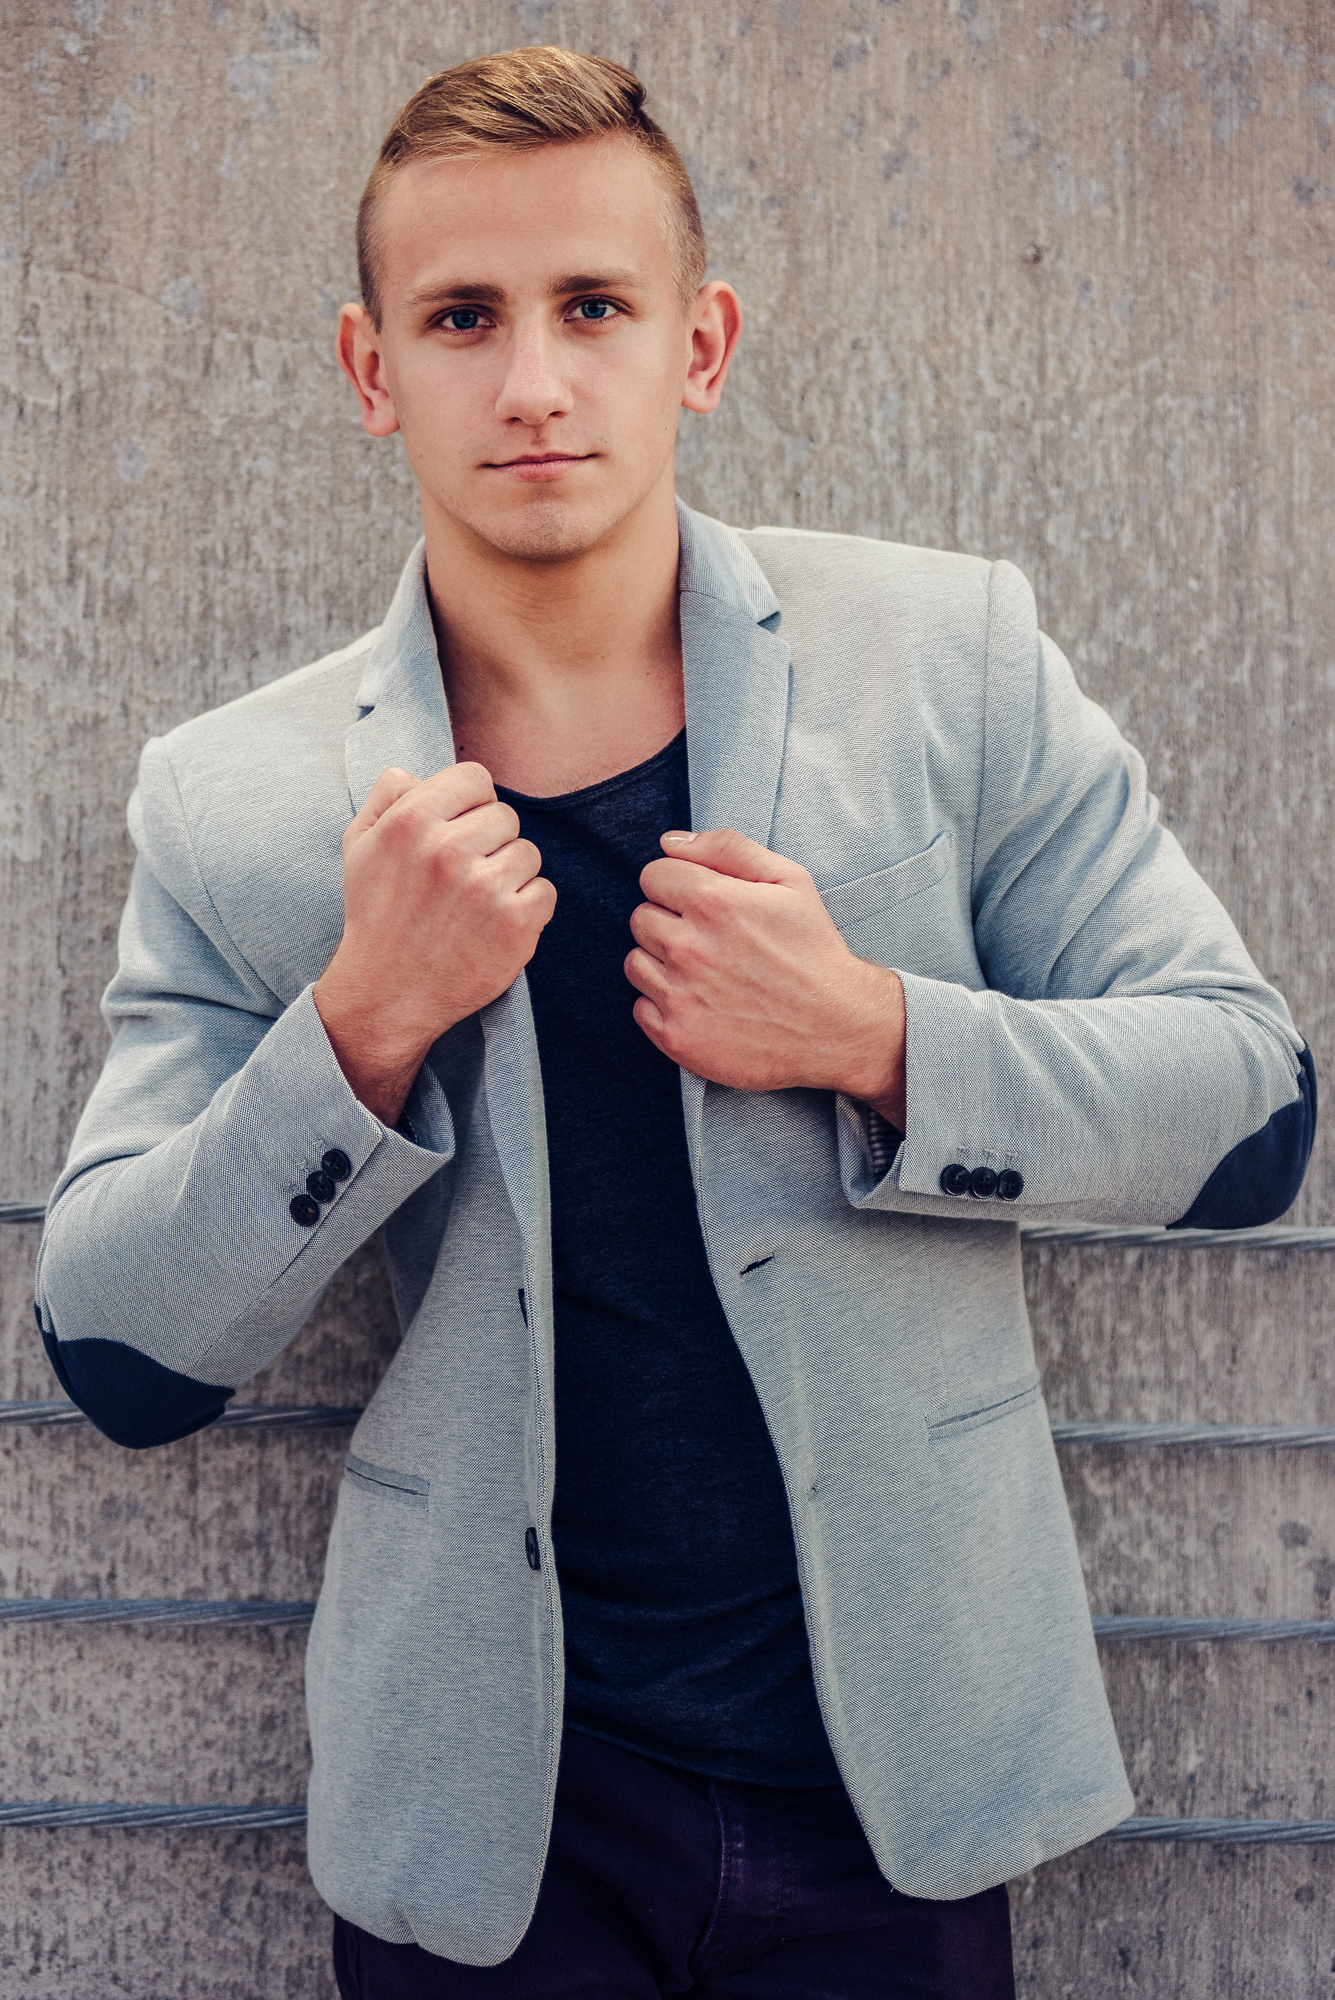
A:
[473,777]
[672,1041]
[407,817]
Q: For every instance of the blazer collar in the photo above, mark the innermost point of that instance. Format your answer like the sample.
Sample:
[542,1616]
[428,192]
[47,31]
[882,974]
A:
[736,669]
[404,719]
[737,693]
[737,674]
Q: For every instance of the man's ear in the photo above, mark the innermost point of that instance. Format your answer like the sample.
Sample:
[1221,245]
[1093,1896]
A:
[716,328]
[360,358]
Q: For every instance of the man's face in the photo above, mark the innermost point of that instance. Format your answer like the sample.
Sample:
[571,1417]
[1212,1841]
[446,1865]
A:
[534,347]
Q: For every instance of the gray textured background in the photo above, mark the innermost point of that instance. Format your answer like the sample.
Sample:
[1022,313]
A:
[1035,278]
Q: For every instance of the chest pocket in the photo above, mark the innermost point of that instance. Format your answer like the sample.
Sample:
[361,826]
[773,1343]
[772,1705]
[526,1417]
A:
[869,910]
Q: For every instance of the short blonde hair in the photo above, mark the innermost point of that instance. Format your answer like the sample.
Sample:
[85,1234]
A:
[523,99]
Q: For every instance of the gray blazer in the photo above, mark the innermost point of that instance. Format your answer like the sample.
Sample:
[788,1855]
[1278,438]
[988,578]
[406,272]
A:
[1081,1011]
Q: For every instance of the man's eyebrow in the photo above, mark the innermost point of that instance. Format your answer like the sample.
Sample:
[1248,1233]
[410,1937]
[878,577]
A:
[595,281]
[452,294]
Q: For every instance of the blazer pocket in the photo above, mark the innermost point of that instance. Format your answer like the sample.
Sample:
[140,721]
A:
[1008,1400]
[867,896]
[404,1487]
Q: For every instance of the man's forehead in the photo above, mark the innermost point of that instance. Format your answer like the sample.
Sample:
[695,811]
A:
[592,208]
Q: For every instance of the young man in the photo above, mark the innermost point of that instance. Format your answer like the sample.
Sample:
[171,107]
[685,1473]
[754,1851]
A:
[736,936]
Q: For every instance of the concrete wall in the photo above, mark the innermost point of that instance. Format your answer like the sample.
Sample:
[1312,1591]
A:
[1048,279]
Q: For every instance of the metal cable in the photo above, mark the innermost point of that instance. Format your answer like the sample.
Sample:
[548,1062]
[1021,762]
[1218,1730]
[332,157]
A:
[1269,1236]
[1283,1437]
[262,1611]
[151,1611]
[38,1812]
[1228,1832]
[243,1416]
[1065,1430]
[1213,1832]
[22,1211]
[1124,1626]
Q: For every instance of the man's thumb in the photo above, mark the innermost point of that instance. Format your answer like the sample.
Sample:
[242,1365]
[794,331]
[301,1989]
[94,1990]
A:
[728,852]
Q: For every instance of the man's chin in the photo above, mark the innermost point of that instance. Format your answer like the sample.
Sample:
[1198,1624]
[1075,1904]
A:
[546,528]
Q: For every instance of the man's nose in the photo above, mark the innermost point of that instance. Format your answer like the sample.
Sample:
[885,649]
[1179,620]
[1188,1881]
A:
[535,386]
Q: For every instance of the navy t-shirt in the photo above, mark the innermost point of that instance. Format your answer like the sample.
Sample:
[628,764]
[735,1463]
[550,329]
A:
[683,1617]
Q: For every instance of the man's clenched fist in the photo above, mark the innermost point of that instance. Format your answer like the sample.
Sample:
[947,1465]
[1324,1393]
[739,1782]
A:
[746,981]
[443,908]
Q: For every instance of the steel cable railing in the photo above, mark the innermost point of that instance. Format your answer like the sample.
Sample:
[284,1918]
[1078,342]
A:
[40,1812]
[1113,1627]
[1065,1430]
[263,1611]
[1268,1236]
[237,1416]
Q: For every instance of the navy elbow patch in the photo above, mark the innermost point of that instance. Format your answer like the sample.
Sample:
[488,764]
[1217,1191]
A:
[131,1398]
[1261,1177]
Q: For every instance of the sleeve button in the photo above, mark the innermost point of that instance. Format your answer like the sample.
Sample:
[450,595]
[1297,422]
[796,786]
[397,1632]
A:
[1010,1185]
[983,1183]
[303,1210]
[321,1186]
[336,1164]
[955,1179]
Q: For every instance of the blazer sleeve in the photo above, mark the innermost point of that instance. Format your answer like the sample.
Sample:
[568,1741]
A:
[1126,1061]
[183,1248]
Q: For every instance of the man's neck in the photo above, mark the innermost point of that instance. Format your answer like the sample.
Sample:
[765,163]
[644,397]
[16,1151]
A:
[560,673]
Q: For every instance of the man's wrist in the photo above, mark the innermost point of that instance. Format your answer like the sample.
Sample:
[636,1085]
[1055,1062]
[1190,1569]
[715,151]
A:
[378,1058]
[872,1063]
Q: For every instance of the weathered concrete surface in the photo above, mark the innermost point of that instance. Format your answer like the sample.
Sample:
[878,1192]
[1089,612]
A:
[94,1711]
[97,1712]
[232,1514]
[1204,1534]
[1271,1761]
[1036,278]
[155,1915]
[1231,1923]
[1171,1334]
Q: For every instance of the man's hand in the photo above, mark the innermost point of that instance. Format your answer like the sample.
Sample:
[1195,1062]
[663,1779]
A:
[443,907]
[746,981]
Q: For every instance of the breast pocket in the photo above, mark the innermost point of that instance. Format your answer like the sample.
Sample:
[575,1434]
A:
[405,1488]
[1008,1399]
[870,911]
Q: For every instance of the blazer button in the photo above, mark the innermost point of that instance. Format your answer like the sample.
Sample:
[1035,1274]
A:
[321,1186]
[1010,1185]
[983,1183]
[531,1548]
[955,1180]
[336,1164]
[303,1210]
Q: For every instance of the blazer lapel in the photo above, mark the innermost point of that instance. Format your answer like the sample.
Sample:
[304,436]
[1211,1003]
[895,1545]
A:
[737,690]
[737,670]
[736,673]
[405,721]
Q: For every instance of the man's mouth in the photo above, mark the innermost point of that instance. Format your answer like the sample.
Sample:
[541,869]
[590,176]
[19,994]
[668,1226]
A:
[538,465]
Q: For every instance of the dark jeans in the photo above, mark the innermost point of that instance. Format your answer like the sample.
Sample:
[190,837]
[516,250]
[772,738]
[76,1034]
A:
[659,1882]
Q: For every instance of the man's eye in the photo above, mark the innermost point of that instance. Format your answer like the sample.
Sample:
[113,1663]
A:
[594,309]
[463,319]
